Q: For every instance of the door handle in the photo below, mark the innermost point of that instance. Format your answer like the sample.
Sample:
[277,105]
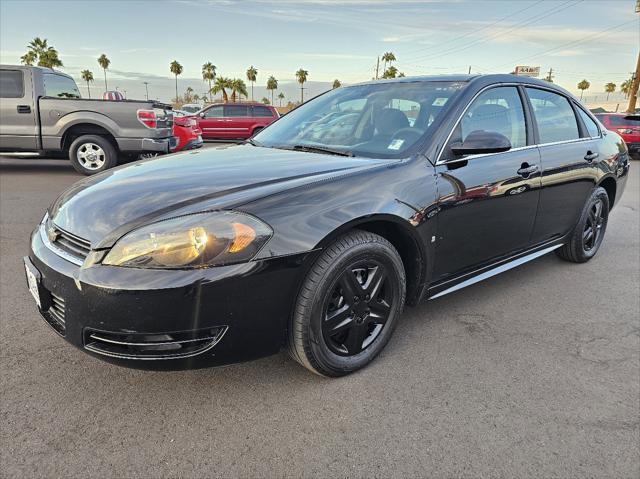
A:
[525,170]
[23,109]
[590,156]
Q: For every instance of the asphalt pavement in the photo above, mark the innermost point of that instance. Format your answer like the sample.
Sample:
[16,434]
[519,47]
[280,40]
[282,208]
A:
[534,373]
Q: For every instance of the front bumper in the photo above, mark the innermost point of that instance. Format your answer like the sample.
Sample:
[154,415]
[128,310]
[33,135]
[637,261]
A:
[168,319]
[144,145]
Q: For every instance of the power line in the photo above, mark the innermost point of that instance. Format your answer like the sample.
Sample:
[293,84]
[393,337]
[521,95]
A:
[534,19]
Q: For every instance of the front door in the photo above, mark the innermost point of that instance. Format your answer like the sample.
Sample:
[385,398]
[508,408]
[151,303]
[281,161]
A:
[487,202]
[18,129]
[212,123]
[238,121]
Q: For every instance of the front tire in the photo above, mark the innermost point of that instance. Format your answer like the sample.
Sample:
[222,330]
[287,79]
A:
[91,154]
[348,305]
[585,239]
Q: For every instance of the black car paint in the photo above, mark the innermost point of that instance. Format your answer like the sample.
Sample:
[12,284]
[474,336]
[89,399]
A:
[450,219]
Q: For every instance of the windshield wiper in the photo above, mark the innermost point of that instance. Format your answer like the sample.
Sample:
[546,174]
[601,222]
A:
[318,149]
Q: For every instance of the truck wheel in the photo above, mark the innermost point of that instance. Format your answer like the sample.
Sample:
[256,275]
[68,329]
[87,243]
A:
[91,154]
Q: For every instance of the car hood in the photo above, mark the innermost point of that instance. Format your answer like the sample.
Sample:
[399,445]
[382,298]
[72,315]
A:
[106,206]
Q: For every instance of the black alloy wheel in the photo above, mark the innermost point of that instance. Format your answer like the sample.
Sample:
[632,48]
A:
[593,226]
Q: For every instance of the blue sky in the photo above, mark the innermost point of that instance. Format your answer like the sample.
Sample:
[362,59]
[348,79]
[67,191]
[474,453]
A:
[593,39]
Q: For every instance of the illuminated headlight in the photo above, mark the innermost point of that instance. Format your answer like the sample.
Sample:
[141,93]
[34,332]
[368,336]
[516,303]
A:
[192,241]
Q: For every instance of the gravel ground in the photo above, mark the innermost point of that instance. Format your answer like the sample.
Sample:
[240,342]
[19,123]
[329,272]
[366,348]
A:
[534,373]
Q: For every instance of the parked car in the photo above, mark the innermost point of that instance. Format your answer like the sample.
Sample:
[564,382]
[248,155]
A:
[186,132]
[228,254]
[41,111]
[625,125]
[191,107]
[235,121]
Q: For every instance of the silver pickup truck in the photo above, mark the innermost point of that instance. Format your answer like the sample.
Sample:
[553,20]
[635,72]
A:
[41,111]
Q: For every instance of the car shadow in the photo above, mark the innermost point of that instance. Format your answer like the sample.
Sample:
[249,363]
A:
[16,165]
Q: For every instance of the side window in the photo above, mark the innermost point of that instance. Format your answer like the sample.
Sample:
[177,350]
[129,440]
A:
[555,117]
[262,111]
[497,110]
[592,128]
[60,86]
[11,84]
[235,110]
[213,112]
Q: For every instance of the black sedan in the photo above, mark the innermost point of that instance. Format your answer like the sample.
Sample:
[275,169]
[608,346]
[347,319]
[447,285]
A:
[315,240]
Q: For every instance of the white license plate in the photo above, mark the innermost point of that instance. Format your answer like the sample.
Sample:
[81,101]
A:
[32,281]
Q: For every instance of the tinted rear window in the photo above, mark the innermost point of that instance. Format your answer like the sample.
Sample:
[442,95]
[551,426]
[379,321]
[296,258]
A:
[60,86]
[555,117]
[11,84]
[235,110]
[261,111]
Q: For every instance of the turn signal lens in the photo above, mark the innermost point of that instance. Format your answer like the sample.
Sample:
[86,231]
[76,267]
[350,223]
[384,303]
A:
[203,239]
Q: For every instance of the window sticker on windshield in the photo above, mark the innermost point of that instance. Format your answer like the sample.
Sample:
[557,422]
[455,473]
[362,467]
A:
[395,144]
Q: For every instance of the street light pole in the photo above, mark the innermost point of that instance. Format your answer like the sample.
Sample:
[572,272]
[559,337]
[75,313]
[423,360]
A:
[635,83]
[146,89]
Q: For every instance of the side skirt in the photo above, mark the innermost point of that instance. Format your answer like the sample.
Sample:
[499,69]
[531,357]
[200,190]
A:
[474,277]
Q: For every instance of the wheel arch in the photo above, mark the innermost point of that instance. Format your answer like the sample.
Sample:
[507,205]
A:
[78,129]
[402,236]
[610,185]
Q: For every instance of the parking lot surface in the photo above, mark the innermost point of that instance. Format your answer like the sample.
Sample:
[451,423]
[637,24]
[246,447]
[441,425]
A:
[534,373]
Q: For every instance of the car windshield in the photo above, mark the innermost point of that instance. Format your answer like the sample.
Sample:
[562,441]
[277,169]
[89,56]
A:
[376,120]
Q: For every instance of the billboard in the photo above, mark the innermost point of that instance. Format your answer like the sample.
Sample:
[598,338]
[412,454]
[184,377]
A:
[526,71]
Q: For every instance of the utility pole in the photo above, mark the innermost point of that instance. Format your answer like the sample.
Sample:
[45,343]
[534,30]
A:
[469,69]
[377,67]
[635,82]
[146,89]
[549,76]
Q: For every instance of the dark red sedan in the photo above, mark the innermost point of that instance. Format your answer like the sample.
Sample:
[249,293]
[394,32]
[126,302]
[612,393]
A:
[625,125]
[235,121]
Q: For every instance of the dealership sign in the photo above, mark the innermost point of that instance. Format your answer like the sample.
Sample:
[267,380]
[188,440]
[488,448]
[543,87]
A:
[527,71]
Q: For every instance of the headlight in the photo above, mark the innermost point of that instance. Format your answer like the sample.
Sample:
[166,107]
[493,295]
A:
[192,241]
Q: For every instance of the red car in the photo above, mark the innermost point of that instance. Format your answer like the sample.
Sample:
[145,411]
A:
[235,121]
[187,134]
[627,126]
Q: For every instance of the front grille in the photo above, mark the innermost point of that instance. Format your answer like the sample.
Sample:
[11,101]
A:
[153,346]
[55,314]
[71,244]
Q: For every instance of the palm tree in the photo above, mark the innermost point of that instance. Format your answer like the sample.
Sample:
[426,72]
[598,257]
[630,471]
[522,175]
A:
[220,85]
[390,72]
[176,69]
[388,57]
[104,63]
[272,84]
[336,83]
[301,76]
[582,86]
[625,88]
[38,46]
[609,88]
[281,97]
[49,58]
[252,75]
[208,73]
[88,77]
[265,100]
[238,88]
[196,98]
[188,95]
[28,58]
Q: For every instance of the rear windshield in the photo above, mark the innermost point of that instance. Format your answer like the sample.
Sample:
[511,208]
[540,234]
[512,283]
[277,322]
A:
[619,120]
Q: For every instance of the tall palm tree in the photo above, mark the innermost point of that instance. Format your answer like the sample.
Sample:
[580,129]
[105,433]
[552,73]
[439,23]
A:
[582,86]
[281,97]
[28,58]
[301,76]
[104,63]
[38,46]
[252,75]
[238,88]
[209,73]
[388,57]
[272,84]
[609,88]
[625,88]
[188,95]
[49,58]
[336,83]
[390,72]
[88,77]
[221,84]
[176,69]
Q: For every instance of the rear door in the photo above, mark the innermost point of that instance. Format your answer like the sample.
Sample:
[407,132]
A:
[487,202]
[18,127]
[238,121]
[569,153]
[212,122]
[262,116]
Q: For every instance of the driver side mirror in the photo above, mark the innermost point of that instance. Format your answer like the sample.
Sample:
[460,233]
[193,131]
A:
[479,142]
[201,114]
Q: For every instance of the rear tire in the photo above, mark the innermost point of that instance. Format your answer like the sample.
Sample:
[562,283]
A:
[585,239]
[348,305]
[91,154]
